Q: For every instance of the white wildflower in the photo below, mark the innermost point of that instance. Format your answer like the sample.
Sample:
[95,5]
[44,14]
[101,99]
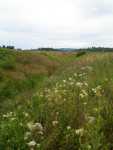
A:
[40,133]
[86,84]
[84,92]
[85,103]
[25,114]
[91,119]
[79,131]
[81,95]
[75,74]
[79,84]
[56,90]
[30,126]
[35,126]
[64,81]
[70,79]
[27,135]
[68,127]
[54,123]
[80,75]
[31,144]
[38,126]
[64,99]
[89,147]
[13,118]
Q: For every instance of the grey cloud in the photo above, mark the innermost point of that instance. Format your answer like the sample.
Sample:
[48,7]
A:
[82,23]
[96,8]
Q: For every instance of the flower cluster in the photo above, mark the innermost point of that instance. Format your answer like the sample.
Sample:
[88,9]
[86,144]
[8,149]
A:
[97,91]
[35,130]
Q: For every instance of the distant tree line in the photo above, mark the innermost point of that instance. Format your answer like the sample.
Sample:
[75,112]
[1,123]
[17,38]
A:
[90,49]
[8,46]
[47,49]
[97,49]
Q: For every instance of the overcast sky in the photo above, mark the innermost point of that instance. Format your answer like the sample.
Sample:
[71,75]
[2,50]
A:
[56,23]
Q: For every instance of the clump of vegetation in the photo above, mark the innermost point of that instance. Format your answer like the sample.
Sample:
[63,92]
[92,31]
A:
[7,59]
[81,53]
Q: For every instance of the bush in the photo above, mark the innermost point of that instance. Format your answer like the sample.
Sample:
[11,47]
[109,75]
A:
[7,65]
[7,59]
[80,54]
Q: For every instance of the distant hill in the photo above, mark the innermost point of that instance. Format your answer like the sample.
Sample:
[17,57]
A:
[90,49]
[66,49]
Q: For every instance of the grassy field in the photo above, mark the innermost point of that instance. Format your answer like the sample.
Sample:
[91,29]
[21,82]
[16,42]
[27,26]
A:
[56,101]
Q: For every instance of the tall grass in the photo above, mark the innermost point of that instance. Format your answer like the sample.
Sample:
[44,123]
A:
[73,110]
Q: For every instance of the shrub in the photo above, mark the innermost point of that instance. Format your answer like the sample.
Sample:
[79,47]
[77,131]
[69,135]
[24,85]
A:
[7,65]
[80,53]
[7,59]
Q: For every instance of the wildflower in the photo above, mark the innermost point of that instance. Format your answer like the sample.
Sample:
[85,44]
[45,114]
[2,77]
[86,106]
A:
[54,123]
[97,90]
[70,79]
[35,126]
[30,126]
[98,94]
[84,92]
[75,74]
[8,115]
[26,114]
[89,147]
[68,127]
[81,95]
[21,124]
[31,144]
[64,99]
[94,90]
[79,84]
[85,103]
[91,119]
[27,135]
[38,126]
[40,133]
[57,113]
[99,87]
[64,81]
[12,119]
[86,84]
[56,90]
[80,75]
[79,131]
[4,116]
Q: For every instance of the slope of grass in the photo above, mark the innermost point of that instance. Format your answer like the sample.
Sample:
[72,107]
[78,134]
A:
[22,73]
[73,109]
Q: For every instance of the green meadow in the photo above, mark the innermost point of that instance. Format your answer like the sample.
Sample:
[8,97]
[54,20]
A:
[56,100]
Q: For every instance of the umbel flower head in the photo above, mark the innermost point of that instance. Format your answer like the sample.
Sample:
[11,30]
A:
[31,144]
[79,132]
[35,126]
